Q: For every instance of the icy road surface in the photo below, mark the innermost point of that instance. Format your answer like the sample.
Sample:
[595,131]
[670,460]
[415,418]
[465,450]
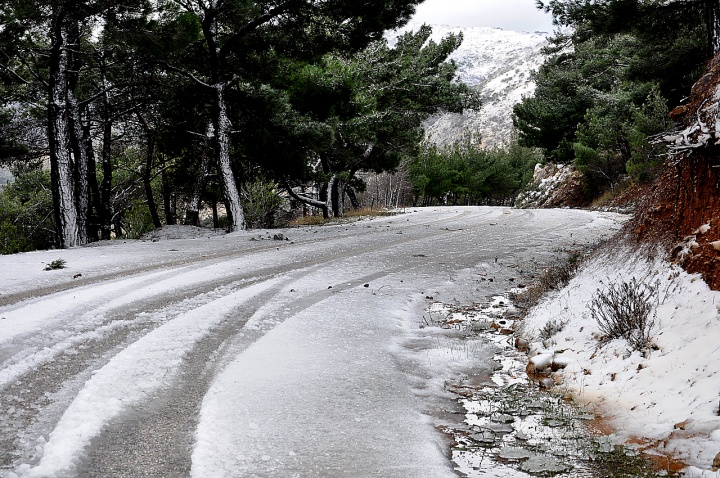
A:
[241,355]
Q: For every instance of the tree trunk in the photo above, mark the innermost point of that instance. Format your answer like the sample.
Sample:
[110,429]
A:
[106,184]
[236,216]
[338,197]
[330,197]
[105,213]
[147,180]
[170,217]
[94,218]
[61,169]
[81,169]
[353,197]
[77,136]
[712,8]
[192,213]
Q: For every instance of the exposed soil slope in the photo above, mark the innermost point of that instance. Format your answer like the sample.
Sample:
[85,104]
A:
[685,201]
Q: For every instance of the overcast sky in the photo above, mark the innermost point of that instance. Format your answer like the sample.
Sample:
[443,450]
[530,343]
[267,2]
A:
[519,15]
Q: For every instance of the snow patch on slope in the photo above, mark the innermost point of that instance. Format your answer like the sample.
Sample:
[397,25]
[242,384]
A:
[499,63]
[669,395]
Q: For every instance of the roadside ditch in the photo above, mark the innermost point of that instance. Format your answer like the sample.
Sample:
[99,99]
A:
[518,424]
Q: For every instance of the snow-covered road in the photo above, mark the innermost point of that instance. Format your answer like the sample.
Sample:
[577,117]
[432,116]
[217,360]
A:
[242,355]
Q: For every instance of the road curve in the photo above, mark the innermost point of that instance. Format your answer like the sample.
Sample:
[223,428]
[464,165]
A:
[244,355]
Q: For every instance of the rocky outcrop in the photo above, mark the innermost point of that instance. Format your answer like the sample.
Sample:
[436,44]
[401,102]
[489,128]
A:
[553,185]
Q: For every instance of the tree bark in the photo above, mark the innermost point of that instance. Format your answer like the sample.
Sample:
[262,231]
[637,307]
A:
[61,169]
[236,216]
[82,188]
[353,197]
[77,137]
[94,218]
[147,171]
[170,217]
[106,184]
[105,213]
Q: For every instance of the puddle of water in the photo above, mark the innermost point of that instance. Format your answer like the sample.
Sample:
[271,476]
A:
[512,428]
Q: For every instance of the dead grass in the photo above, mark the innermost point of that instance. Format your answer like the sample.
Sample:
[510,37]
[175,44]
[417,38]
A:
[352,214]
[556,276]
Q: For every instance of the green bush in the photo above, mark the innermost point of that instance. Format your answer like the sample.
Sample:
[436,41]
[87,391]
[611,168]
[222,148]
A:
[137,219]
[26,219]
[261,204]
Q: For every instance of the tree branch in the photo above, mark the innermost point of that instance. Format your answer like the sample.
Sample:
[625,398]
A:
[252,25]
[303,199]
[186,74]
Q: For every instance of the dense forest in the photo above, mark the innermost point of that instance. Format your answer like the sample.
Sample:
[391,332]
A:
[120,117]
[615,69]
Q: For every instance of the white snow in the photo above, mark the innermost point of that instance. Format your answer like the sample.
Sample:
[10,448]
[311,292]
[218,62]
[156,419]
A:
[669,395]
[246,415]
[329,377]
[499,63]
[131,376]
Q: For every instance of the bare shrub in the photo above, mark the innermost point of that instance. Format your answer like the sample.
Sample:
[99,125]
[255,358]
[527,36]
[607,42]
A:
[626,310]
[556,276]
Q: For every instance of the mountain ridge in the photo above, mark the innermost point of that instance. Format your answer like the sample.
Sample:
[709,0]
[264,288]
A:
[499,64]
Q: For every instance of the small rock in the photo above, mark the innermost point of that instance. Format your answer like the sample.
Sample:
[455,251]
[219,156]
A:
[682,425]
[76,276]
[485,437]
[502,418]
[278,237]
[542,464]
[521,344]
[547,383]
[716,461]
[514,453]
[366,285]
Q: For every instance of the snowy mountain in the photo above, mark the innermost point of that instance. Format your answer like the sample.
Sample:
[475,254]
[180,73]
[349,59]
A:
[498,63]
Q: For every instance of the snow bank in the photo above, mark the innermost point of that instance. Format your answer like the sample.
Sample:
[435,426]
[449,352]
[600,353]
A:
[668,395]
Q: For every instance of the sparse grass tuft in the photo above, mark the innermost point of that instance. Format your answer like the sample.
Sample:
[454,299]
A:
[556,276]
[551,328]
[308,221]
[367,212]
[56,264]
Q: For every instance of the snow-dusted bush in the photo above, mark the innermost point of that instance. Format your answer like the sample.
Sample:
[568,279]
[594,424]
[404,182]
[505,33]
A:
[626,310]
[262,204]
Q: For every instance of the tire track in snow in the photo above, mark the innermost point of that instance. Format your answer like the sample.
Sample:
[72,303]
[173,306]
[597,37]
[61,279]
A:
[157,434]
[236,251]
[134,375]
[373,243]
[157,437]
